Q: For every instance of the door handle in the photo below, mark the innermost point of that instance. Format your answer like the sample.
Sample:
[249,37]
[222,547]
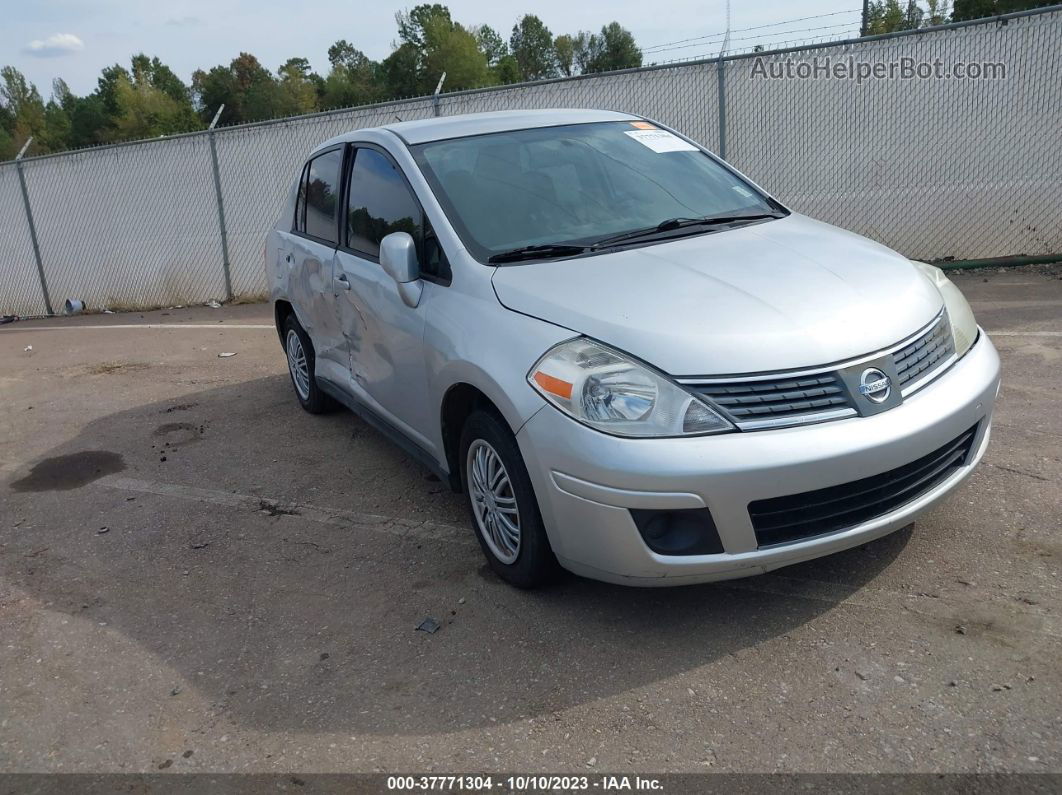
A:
[340,282]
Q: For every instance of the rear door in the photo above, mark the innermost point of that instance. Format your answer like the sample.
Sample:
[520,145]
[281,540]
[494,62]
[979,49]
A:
[311,257]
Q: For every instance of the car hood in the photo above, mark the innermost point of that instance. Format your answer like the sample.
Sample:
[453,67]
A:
[773,296]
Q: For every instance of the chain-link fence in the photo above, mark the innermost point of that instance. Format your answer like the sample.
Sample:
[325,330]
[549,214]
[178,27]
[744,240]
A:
[935,167]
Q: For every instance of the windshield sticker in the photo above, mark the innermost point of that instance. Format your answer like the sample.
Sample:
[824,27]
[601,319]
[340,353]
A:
[660,141]
[643,125]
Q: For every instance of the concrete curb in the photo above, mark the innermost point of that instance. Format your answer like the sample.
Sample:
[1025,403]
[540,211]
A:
[996,262]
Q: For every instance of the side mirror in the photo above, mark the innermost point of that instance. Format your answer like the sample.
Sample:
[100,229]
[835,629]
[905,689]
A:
[398,258]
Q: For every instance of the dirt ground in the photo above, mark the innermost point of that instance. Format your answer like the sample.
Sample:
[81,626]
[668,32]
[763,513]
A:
[195,575]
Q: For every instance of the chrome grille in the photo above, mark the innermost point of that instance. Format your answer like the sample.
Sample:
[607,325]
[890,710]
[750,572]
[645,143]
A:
[781,400]
[778,400]
[926,353]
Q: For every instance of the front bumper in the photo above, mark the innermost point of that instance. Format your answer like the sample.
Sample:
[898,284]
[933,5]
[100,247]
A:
[587,481]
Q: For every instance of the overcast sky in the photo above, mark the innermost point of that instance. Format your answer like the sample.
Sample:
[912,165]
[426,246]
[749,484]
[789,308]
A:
[74,39]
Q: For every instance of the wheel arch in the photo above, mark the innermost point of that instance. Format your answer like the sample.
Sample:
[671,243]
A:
[458,404]
[282,310]
[461,398]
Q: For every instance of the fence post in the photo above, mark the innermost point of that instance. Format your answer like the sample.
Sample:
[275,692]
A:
[32,226]
[221,206]
[720,72]
[435,96]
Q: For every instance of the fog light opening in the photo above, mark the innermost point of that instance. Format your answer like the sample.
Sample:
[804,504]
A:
[684,532]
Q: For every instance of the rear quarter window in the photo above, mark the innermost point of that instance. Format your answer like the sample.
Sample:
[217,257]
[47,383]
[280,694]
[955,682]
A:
[319,197]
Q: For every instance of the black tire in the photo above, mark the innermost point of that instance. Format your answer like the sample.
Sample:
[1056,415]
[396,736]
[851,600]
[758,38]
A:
[314,400]
[535,563]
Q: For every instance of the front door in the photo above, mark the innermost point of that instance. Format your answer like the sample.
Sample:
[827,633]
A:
[383,336]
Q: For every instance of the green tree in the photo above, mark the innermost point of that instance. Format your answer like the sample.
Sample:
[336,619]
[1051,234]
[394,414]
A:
[452,49]
[936,12]
[399,72]
[507,70]
[246,88]
[299,87]
[613,48]
[431,44]
[147,110]
[531,44]
[888,16]
[89,121]
[963,10]
[354,79]
[491,44]
[407,66]
[616,49]
[160,76]
[57,123]
[412,24]
[258,91]
[977,9]
[7,141]
[341,55]
[584,50]
[213,89]
[24,108]
[62,94]
[107,88]
[564,53]
[8,150]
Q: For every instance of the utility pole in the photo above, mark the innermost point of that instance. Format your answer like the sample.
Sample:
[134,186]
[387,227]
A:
[865,18]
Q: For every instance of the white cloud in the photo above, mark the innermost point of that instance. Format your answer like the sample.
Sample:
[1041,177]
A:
[58,44]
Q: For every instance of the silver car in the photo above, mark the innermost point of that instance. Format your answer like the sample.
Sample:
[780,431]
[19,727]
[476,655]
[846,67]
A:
[637,364]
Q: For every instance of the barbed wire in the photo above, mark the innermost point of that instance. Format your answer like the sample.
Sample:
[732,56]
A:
[846,25]
[774,47]
[669,45]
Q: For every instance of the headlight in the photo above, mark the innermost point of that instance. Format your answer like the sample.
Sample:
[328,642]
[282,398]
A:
[963,325]
[608,391]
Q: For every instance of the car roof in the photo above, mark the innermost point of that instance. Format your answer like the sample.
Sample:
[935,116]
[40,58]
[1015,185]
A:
[444,127]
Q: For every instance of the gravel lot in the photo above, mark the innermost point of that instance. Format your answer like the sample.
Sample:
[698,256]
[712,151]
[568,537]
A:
[195,575]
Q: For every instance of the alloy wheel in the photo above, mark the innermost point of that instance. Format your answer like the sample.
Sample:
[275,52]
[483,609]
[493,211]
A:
[493,501]
[300,371]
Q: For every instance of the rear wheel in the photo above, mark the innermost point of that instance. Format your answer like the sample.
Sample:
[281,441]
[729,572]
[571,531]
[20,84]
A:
[502,502]
[299,351]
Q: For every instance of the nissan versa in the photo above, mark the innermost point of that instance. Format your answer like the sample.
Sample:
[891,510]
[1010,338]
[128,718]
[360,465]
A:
[636,363]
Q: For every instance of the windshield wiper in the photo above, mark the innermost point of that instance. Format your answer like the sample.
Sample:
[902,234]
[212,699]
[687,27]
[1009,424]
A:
[543,251]
[671,224]
[554,250]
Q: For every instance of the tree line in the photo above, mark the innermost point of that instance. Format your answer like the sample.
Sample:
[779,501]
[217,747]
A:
[890,16]
[147,99]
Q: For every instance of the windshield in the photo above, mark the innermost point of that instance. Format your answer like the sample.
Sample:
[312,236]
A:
[577,184]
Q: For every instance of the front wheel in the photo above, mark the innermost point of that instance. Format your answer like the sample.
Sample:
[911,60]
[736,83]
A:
[505,513]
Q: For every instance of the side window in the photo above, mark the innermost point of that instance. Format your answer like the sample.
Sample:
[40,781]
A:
[300,204]
[380,203]
[433,260]
[322,195]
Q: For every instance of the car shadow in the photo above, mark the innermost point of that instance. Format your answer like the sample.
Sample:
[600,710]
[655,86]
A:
[230,535]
